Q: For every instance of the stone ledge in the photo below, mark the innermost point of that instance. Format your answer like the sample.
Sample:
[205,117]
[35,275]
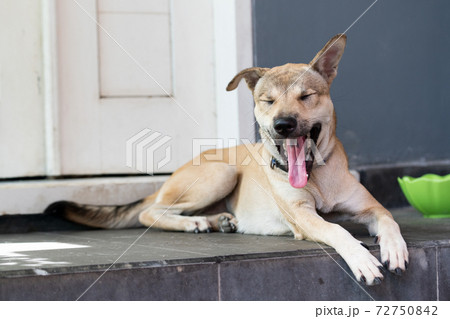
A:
[182,266]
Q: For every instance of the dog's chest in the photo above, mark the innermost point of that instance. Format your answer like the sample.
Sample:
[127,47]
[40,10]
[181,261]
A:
[264,220]
[256,210]
[323,200]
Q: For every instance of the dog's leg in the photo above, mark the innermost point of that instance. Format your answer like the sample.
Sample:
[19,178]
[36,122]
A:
[307,224]
[189,190]
[366,210]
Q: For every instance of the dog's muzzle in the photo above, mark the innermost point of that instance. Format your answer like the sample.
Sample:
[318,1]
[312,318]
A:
[285,125]
[298,153]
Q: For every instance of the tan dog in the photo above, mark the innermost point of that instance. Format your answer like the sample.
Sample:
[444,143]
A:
[272,188]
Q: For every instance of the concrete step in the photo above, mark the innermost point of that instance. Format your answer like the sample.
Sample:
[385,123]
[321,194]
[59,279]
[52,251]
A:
[140,264]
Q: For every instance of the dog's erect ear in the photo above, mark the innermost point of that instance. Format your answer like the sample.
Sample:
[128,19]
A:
[251,76]
[326,61]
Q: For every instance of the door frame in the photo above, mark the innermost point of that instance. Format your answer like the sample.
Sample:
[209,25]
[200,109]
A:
[233,52]
[51,94]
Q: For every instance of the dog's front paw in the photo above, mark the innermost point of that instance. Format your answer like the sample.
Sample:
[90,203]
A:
[197,225]
[393,250]
[366,267]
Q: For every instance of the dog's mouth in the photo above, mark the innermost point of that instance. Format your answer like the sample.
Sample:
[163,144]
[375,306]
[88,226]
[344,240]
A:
[299,155]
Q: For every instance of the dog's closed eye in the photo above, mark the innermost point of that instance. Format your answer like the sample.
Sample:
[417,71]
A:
[269,102]
[305,97]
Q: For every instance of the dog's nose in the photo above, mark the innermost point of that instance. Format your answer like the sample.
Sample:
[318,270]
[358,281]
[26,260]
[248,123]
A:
[285,125]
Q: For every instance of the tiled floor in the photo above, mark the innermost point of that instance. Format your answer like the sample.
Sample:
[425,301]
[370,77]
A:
[154,265]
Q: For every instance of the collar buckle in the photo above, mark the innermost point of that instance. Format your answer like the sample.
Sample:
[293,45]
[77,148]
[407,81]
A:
[274,163]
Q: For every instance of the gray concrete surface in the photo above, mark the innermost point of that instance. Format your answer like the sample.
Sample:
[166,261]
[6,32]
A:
[157,265]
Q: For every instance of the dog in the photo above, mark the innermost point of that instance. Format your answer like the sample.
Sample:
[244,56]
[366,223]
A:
[281,189]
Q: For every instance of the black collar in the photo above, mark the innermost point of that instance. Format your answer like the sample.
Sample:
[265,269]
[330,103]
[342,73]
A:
[275,163]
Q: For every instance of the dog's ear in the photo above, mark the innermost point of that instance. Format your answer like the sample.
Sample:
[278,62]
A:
[326,61]
[251,76]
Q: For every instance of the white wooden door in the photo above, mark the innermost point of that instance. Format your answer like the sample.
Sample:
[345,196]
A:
[124,66]
[22,146]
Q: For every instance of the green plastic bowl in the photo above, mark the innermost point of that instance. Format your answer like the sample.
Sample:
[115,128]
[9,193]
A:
[429,194]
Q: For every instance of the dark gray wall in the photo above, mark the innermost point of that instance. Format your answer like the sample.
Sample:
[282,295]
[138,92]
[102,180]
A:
[392,93]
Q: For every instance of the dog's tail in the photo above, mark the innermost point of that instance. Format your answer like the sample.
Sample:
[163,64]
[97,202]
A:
[125,216]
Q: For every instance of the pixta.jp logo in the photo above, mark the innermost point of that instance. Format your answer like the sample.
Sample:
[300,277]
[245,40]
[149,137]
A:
[141,151]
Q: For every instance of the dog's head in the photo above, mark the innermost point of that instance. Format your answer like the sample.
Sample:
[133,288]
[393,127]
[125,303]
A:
[293,105]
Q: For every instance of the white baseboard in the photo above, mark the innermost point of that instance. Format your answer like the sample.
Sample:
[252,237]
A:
[32,197]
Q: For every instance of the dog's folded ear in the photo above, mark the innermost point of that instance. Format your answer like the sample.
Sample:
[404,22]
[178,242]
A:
[251,76]
[326,61]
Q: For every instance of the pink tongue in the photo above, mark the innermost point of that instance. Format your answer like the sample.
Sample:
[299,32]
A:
[296,161]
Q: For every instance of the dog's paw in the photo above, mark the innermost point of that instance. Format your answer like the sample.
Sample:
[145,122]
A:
[225,223]
[198,225]
[393,250]
[366,267]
